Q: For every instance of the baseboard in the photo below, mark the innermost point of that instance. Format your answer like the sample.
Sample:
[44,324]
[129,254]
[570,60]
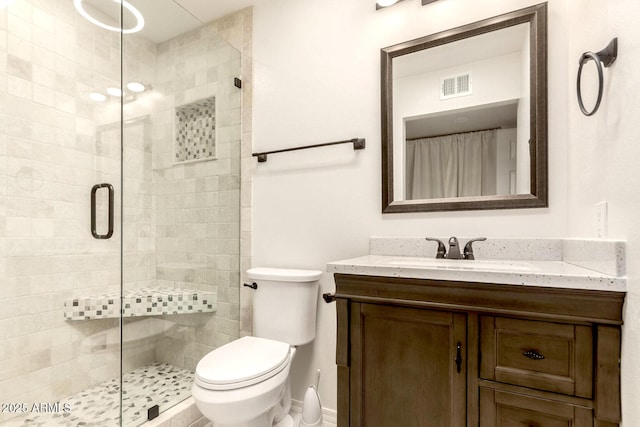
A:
[188,412]
[329,416]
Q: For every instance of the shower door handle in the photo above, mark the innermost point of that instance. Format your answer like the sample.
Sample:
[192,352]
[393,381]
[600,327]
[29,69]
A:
[94,190]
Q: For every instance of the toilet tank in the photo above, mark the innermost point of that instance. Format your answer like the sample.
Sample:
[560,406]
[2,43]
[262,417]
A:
[284,304]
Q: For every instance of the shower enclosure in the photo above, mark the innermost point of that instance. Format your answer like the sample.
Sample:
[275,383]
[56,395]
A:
[119,207]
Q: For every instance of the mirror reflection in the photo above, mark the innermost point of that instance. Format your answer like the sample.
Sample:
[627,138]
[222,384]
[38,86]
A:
[464,117]
[457,108]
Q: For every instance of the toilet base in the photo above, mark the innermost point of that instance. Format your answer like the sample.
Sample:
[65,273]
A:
[286,422]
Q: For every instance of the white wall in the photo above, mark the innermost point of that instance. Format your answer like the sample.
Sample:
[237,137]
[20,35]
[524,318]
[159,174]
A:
[317,79]
[495,79]
[603,153]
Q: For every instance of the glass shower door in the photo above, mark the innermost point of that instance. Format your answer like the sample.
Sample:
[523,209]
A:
[119,207]
[59,258]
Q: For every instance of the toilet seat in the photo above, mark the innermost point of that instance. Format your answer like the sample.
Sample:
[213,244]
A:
[241,363]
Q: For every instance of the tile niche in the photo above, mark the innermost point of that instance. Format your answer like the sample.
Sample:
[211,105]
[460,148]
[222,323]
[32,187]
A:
[195,131]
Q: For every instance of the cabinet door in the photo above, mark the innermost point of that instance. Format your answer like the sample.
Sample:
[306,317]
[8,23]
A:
[504,409]
[408,367]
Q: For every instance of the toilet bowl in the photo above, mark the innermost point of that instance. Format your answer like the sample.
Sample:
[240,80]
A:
[245,383]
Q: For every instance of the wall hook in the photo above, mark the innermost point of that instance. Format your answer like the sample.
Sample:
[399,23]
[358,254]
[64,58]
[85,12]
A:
[606,57]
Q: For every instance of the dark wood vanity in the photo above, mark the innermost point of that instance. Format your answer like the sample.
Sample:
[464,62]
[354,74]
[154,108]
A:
[420,352]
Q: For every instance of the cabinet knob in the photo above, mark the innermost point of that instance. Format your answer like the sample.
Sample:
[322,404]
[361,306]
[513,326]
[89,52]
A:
[533,355]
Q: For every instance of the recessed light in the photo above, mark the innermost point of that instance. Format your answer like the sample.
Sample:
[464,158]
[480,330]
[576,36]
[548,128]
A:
[5,3]
[136,87]
[114,91]
[97,96]
[135,12]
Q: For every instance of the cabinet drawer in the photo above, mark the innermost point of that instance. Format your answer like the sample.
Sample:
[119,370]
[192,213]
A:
[542,355]
[505,409]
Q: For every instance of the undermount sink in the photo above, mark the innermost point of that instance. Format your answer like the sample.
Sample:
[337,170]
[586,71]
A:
[462,264]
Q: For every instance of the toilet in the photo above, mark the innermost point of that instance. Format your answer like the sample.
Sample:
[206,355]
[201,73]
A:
[245,383]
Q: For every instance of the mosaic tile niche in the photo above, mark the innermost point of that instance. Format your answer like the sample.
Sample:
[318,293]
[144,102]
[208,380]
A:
[195,131]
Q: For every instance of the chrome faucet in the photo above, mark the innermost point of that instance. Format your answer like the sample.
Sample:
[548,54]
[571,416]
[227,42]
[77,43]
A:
[454,248]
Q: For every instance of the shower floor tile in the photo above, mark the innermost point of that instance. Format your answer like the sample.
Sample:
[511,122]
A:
[156,384]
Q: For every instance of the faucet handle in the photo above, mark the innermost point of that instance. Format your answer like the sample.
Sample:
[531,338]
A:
[468,249]
[442,250]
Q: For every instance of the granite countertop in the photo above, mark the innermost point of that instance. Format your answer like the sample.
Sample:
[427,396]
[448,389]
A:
[557,263]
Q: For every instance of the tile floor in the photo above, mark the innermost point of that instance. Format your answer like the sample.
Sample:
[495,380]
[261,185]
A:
[161,384]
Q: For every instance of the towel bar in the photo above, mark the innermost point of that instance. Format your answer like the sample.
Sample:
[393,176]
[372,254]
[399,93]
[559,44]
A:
[358,144]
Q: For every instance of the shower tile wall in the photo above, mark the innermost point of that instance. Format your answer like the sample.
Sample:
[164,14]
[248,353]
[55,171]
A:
[237,30]
[181,221]
[198,204]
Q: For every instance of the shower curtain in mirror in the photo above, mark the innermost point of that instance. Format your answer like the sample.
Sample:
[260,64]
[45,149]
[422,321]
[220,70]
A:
[456,165]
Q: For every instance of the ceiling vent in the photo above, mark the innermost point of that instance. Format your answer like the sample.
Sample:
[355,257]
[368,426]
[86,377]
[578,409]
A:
[454,86]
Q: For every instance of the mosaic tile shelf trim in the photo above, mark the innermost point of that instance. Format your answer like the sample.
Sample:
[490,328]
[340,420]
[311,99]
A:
[195,131]
[157,384]
[141,302]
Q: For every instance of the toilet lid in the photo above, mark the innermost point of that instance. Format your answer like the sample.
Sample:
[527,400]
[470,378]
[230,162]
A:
[242,362]
[283,274]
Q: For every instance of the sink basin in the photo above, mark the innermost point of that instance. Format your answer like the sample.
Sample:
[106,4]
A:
[462,264]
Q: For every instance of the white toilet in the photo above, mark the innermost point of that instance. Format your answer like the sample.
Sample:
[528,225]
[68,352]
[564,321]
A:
[246,383]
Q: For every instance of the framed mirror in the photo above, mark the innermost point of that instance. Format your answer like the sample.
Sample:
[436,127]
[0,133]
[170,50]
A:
[464,117]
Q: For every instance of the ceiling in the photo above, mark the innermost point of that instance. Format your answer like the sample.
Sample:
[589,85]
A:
[166,19]
[209,10]
[498,115]
[481,47]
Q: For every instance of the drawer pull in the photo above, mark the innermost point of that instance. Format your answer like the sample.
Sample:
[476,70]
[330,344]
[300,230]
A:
[533,355]
[458,358]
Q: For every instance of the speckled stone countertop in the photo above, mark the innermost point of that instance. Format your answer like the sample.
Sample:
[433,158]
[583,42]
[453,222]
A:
[558,263]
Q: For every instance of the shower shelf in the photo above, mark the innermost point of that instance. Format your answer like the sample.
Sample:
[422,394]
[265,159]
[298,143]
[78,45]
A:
[141,302]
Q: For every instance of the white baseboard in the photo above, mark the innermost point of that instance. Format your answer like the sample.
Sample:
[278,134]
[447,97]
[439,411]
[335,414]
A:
[329,416]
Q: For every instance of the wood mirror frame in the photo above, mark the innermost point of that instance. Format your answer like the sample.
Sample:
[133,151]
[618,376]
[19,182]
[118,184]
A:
[536,17]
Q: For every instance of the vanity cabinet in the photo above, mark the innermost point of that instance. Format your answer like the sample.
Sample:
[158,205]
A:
[419,352]
[505,409]
[399,377]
